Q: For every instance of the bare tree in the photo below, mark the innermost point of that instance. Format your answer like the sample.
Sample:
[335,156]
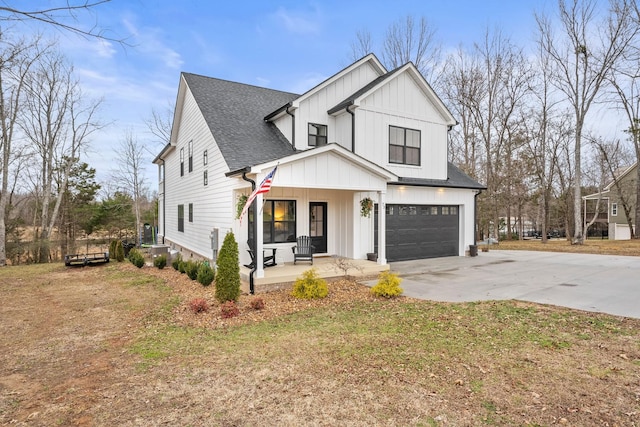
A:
[582,59]
[57,122]
[57,15]
[16,61]
[160,123]
[362,45]
[130,173]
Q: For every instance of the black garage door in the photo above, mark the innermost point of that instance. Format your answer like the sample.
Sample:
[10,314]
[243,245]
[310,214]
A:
[420,231]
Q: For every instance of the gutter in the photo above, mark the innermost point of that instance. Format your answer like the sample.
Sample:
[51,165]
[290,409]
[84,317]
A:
[255,231]
[353,128]
[475,217]
[293,126]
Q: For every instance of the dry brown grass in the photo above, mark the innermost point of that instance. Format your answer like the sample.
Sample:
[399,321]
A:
[114,345]
[591,246]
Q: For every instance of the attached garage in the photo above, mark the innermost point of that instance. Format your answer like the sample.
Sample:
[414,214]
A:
[421,231]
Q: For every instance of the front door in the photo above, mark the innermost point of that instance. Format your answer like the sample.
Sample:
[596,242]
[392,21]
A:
[318,226]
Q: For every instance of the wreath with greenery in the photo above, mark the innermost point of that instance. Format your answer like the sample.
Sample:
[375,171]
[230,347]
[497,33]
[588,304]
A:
[242,200]
[366,205]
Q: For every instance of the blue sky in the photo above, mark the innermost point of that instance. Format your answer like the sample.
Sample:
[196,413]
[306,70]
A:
[284,45]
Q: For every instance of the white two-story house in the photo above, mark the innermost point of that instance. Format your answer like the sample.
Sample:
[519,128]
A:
[363,133]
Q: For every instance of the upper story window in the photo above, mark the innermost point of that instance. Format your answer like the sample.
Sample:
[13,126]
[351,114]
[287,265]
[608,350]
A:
[404,146]
[205,158]
[614,209]
[190,212]
[317,135]
[191,156]
[206,177]
[182,162]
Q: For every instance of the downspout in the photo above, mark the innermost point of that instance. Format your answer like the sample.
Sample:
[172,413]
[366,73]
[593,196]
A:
[293,128]
[475,217]
[255,231]
[353,129]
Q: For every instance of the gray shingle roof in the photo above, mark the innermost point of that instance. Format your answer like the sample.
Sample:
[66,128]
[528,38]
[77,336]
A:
[234,113]
[455,179]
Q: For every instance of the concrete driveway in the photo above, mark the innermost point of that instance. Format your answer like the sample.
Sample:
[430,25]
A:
[600,283]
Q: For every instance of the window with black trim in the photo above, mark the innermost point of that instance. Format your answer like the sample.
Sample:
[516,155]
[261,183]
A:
[181,218]
[190,212]
[205,157]
[278,220]
[206,177]
[182,161]
[317,135]
[191,156]
[404,146]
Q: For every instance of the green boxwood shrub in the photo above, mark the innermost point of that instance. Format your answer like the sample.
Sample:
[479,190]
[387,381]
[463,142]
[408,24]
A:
[136,258]
[228,274]
[160,261]
[191,269]
[182,266]
[310,286]
[388,285]
[205,274]
[176,262]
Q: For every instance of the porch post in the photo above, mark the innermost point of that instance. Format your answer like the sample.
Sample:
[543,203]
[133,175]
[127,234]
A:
[259,237]
[382,228]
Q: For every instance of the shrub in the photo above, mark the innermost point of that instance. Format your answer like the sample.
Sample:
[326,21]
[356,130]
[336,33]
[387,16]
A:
[228,274]
[191,269]
[199,305]
[388,285]
[136,258]
[182,266]
[205,274]
[112,249]
[310,286]
[229,309]
[119,251]
[160,261]
[176,262]
[257,303]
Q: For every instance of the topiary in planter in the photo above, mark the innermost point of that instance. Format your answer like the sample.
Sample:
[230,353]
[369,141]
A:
[136,258]
[310,286]
[205,274]
[228,274]
[388,285]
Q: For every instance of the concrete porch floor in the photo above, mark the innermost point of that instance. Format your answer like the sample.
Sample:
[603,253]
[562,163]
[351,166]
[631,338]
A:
[282,276]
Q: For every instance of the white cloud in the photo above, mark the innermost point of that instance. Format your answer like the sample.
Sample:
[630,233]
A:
[298,22]
[148,41]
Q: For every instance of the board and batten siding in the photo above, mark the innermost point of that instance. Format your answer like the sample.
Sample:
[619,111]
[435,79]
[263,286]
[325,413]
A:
[212,204]
[402,103]
[313,109]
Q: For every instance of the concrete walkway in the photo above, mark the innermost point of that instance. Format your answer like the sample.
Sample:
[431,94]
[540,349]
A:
[599,283]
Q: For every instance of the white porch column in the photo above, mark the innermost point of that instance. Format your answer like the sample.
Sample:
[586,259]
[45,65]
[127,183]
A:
[382,227]
[259,237]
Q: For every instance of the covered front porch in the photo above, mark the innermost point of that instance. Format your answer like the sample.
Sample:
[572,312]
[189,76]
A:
[283,275]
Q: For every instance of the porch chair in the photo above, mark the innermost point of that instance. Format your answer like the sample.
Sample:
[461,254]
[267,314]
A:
[268,261]
[303,249]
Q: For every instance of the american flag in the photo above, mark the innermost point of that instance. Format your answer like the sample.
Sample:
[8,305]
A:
[263,188]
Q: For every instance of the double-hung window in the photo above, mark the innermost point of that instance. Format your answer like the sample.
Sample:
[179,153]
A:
[191,156]
[614,209]
[404,146]
[317,135]
[181,218]
[182,161]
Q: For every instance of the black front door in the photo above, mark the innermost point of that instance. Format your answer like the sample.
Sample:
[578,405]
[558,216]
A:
[318,226]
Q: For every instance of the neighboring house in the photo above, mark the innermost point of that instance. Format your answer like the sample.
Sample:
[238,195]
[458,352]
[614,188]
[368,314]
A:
[612,197]
[362,133]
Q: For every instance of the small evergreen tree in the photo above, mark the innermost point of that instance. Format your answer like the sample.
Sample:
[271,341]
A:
[119,251]
[228,274]
[205,274]
[160,261]
[136,258]
[112,249]
[191,269]
[176,262]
